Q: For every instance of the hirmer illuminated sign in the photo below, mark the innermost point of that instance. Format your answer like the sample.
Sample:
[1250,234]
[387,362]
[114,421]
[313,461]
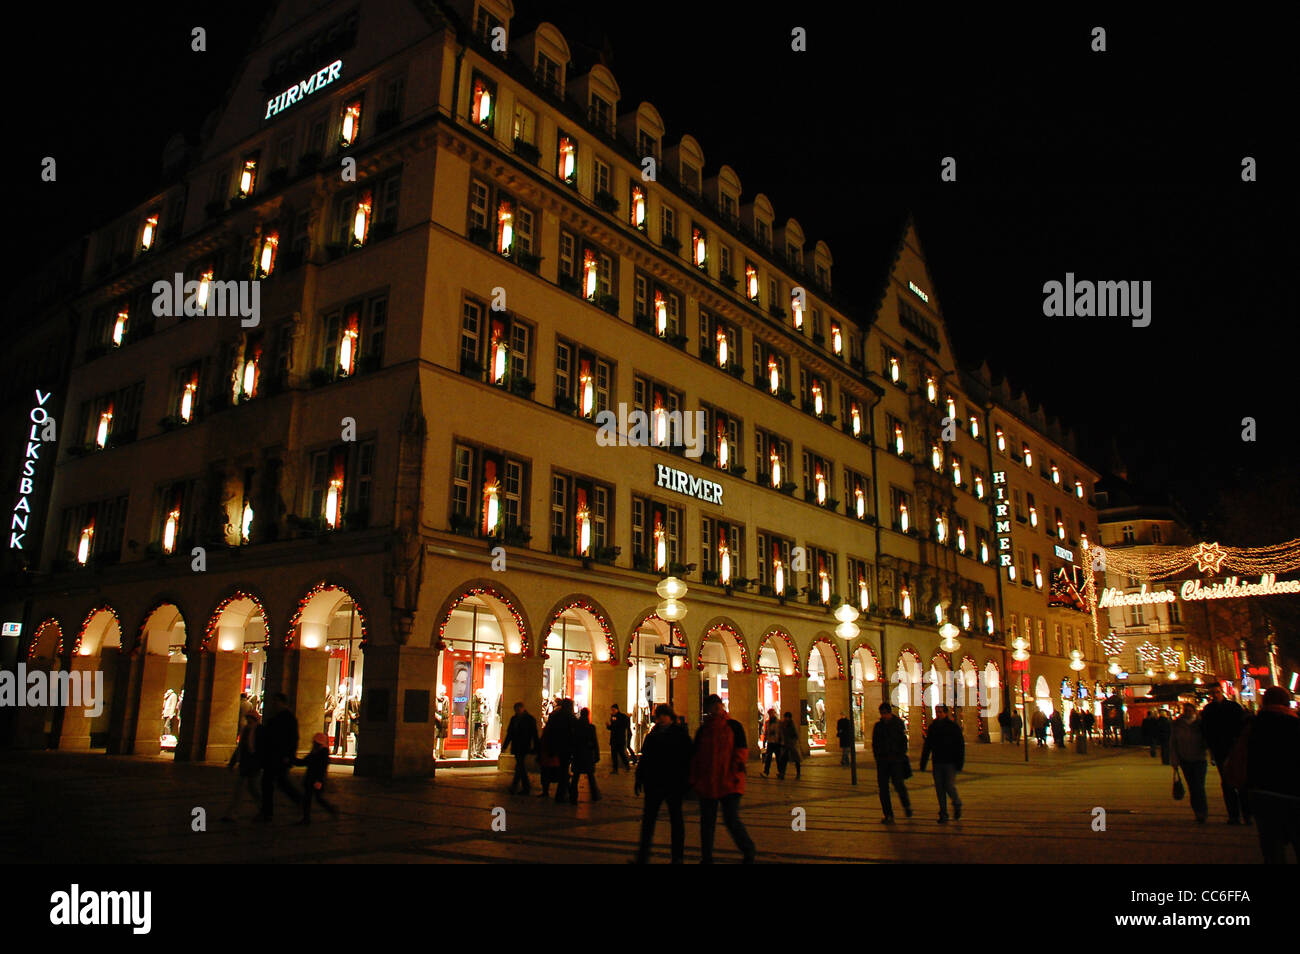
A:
[670,478]
[304,88]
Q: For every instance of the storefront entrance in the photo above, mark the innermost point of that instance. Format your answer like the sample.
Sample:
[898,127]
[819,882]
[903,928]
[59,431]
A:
[471,675]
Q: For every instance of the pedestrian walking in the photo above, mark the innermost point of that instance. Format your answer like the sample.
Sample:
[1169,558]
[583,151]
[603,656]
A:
[1149,735]
[661,772]
[1058,729]
[1164,732]
[620,730]
[844,734]
[1089,725]
[1004,723]
[278,742]
[718,777]
[789,748]
[520,741]
[1075,724]
[1188,754]
[889,746]
[1273,775]
[1017,726]
[1222,722]
[945,743]
[586,753]
[1038,723]
[771,742]
[245,757]
[557,750]
[313,783]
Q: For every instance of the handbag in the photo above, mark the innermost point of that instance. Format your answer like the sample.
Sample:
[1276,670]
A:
[907,768]
[1179,790]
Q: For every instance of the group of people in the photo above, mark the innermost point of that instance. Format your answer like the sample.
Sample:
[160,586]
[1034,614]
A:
[944,749]
[669,766]
[781,742]
[266,751]
[1081,726]
[1258,758]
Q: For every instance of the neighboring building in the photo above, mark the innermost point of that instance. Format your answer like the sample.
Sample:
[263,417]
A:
[397,478]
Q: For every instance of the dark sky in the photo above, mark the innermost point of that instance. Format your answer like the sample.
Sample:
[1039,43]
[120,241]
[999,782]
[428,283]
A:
[1123,165]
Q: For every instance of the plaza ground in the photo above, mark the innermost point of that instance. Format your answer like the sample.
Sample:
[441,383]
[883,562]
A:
[89,807]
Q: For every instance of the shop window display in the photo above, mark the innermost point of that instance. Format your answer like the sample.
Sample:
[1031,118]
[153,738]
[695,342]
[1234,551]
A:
[649,680]
[566,674]
[174,695]
[342,707]
[471,677]
[715,671]
[816,701]
[769,683]
[864,678]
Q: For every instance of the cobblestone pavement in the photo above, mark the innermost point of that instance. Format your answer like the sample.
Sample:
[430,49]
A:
[65,807]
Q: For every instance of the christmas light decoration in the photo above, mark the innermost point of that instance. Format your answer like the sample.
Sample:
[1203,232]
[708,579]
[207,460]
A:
[789,642]
[837,341]
[505,227]
[936,458]
[965,617]
[974,427]
[291,638]
[148,232]
[586,392]
[270,244]
[956,472]
[724,563]
[214,621]
[724,449]
[1029,456]
[774,459]
[839,660]
[907,603]
[348,348]
[819,481]
[35,645]
[83,544]
[105,423]
[796,311]
[1112,644]
[568,166]
[988,621]
[740,644]
[961,540]
[860,502]
[352,123]
[864,595]
[898,440]
[722,354]
[698,244]
[119,327]
[480,591]
[902,517]
[81,633]
[931,392]
[818,405]
[169,531]
[1171,657]
[751,282]
[361,218]
[606,629]
[1148,652]
[638,207]
[855,414]
[894,369]
[1033,516]
[661,314]
[1002,440]
[247,177]
[246,522]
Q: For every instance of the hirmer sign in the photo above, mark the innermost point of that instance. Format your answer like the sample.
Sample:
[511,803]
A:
[304,88]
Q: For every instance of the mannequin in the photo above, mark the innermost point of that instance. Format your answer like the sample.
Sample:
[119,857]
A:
[329,709]
[354,716]
[442,723]
[339,715]
[479,716]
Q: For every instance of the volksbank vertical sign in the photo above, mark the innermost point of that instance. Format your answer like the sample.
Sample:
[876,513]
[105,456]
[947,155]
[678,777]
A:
[304,88]
[43,431]
[1002,517]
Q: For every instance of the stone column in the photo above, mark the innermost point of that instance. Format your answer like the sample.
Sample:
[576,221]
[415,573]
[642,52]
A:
[216,717]
[308,673]
[686,696]
[398,695]
[794,693]
[147,701]
[742,692]
[837,704]
[522,682]
[32,723]
[75,726]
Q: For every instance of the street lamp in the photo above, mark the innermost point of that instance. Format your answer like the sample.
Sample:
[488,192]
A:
[948,638]
[847,630]
[1021,647]
[671,590]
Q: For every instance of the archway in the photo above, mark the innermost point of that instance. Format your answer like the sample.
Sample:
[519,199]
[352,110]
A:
[329,629]
[777,659]
[721,658]
[938,689]
[477,631]
[33,724]
[160,657]
[906,694]
[1043,696]
[868,689]
[824,664]
[567,657]
[652,676]
[994,701]
[96,653]
[233,653]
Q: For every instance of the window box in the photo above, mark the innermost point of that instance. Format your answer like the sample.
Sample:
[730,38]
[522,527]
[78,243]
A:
[832,504]
[900,384]
[308,162]
[289,261]
[279,178]
[367,363]
[869,518]
[527,151]
[806,406]
[606,555]
[608,303]
[606,202]
[461,524]
[471,368]
[707,353]
[908,456]
[788,488]
[528,261]
[521,386]
[737,470]
[96,351]
[672,243]
[386,120]
[171,423]
[763,477]
[319,377]
[858,365]
[737,371]
[786,395]
[709,577]
[566,404]
[641,562]
[214,208]
[238,201]
[708,458]
[356,519]
[678,341]
[382,230]
[776,311]
[479,236]
[818,338]
[729,280]
[913,532]
[765,589]
[79,450]
[335,250]
[570,283]
[895,612]
[305,526]
[561,545]
[828,417]
[1020,519]
[680,569]
[642,323]
[515,535]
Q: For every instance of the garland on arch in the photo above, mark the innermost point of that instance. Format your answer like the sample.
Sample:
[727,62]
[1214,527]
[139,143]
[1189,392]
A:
[725,628]
[290,638]
[525,646]
[215,618]
[51,621]
[789,642]
[605,628]
[673,632]
[81,633]
[839,660]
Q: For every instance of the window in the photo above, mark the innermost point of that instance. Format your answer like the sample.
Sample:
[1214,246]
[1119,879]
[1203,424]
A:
[893,366]
[794,256]
[982,541]
[851,417]
[896,433]
[1056,639]
[658,307]
[962,535]
[857,494]
[604,179]
[1038,573]
[1126,534]
[350,123]
[483,103]
[1156,535]
[583,381]
[690,177]
[646,145]
[859,584]
[719,342]
[763,230]
[514,227]
[723,431]
[1175,614]
[656,535]
[568,255]
[548,73]
[390,104]
[111,418]
[699,246]
[524,127]
[637,206]
[265,262]
[600,113]
[821,576]
[774,294]
[774,575]
[485,26]
[955,462]
[722,555]
[247,177]
[772,460]
[93,531]
[668,226]
[769,369]
[818,479]
[724,262]
[1136,615]
[728,206]
[353,338]
[489,493]
[837,339]
[185,393]
[149,231]
[471,337]
[900,508]
[375,202]
[567,159]
[815,392]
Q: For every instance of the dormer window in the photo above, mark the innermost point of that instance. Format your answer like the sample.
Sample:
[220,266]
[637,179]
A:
[247,177]
[149,232]
[600,113]
[548,73]
[764,232]
[351,124]
[647,145]
[567,160]
[638,208]
[483,104]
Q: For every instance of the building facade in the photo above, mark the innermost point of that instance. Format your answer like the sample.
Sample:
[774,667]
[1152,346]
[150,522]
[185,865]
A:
[512,359]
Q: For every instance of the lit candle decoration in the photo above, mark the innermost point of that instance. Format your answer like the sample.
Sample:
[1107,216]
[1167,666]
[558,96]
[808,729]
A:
[348,348]
[796,311]
[1029,457]
[169,531]
[965,616]
[147,233]
[246,522]
[724,448]
[248,177]
[1033,516]
[818,406]
[837,339]
[661,546]
[860,502]
[979,487]
[661,314]
[724,562]
[584,530]
[638,207]
[902,517]
[778,575]
[931,391]
[351,123]
[491,506]
[936,458]
[773,375]
[361,219]
[984,552]
[332,503]
[894,370]
[269,246]
[1002,440]
[961,539]
[187,401]
[722,352]
[988,622]
[500,358]
[587,391]
[568,158]
[205,285]
[856,416]
[956,472]
[697,241]
[825,587]
[751,282]
[506,228]
[105,423]
[119,326]
[482,104]
[820,480]
[864,594]
[898,439]
[775,461]
[907,603]
[974,426]
[83,545]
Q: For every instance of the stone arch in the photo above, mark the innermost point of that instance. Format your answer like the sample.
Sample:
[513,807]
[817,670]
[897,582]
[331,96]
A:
[505,607]
[865,647]
[787,653]
[737,652]
[163,617]
[664,628]
[595,621]
[824,639]
[102,628]
[907,675]
[47,639]
[239,605]
[308,627]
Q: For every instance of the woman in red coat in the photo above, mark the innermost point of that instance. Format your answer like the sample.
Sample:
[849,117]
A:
[718,777]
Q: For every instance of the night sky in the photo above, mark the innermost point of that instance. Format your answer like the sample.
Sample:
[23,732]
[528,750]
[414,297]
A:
[1123,165]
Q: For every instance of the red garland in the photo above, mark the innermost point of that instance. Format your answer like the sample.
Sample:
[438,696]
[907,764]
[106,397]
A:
[794,650]
[524,646]
[673,630]
[51,621]
[81,633]
[600,618]
[321,587]
[839,660]
[221,608]
[724,628]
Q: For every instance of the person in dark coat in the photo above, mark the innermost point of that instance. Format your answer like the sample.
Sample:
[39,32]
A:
[1222,721]
[557,750]
[250,766]
[620,732]
[718,777]
[1075,723]
[844,734]
[789,748]
[1058,728]
[1164,732]
[889,746]
[1004,723]
[1149,735]
[586,753]
[278,742]
[313,783]
[662,773]
[944,741]
[1272,747]
[520,741]
[1017,726]
[772,743]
